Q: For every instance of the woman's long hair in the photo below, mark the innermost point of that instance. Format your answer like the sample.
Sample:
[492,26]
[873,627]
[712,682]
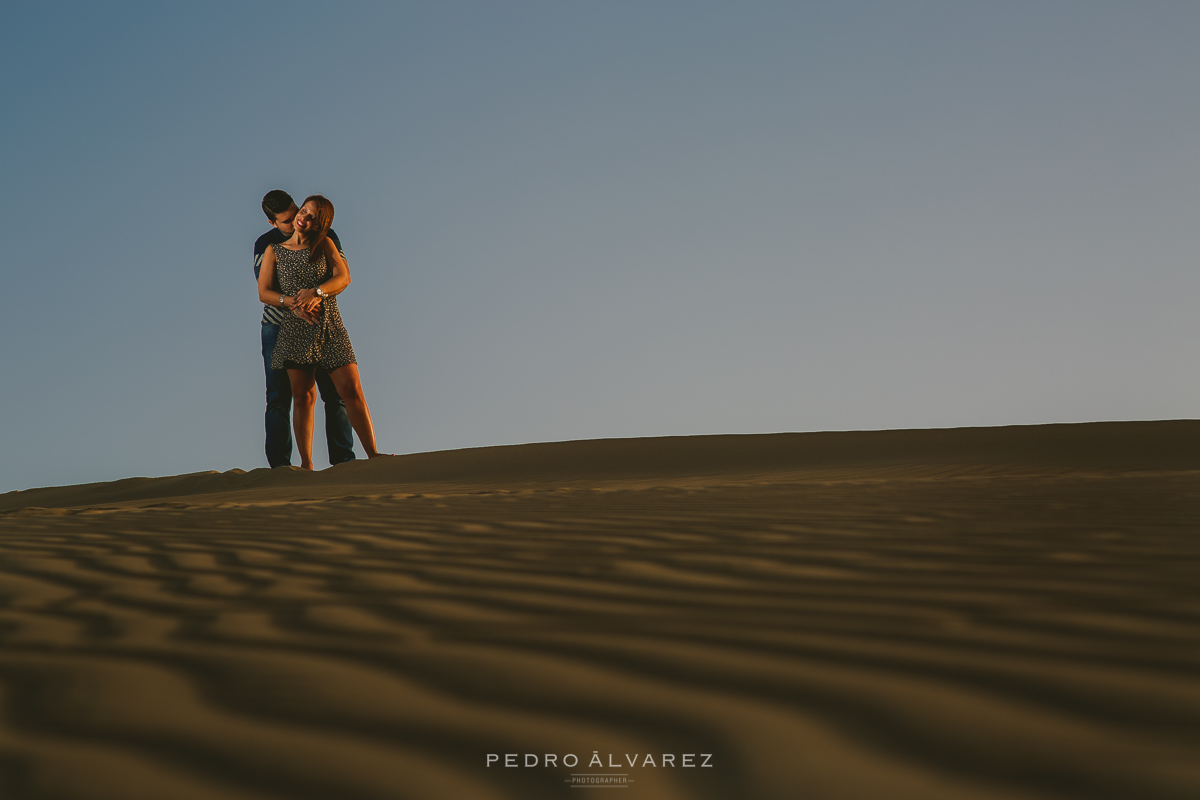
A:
[322,221]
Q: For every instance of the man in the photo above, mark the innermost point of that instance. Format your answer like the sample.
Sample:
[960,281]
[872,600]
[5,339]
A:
[281,210]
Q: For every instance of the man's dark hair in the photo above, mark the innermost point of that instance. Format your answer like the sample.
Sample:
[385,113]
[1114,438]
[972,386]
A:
[276,202]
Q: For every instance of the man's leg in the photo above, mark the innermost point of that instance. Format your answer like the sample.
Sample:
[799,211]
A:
[338,433]
[279,404]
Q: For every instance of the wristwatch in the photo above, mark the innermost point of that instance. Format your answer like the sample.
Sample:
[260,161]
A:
[281,299]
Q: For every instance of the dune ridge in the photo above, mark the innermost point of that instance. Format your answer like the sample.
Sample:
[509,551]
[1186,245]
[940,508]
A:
[679,460]
[995,614]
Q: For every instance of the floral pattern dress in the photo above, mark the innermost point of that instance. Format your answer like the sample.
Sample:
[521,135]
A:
[324,345]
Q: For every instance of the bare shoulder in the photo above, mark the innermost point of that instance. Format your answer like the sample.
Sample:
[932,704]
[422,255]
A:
[331,250]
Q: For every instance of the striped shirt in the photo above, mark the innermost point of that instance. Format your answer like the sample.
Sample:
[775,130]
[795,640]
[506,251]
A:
[273,315]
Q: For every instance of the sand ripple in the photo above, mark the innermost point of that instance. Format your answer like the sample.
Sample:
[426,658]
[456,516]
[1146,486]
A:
[986,637]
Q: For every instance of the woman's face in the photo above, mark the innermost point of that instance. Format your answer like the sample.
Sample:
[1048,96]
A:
[305,218]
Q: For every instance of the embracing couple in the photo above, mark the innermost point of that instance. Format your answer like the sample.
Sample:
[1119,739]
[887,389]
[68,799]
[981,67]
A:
[300,270]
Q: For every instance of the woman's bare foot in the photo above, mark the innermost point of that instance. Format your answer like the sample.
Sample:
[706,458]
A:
[377,454]
[306,465]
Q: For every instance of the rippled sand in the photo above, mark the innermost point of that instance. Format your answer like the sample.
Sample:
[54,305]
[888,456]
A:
[989,613]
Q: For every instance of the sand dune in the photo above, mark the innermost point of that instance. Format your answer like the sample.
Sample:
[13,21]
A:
[676,461]
[977,613]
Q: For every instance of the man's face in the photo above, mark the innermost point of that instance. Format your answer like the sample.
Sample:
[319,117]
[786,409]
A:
[283,221]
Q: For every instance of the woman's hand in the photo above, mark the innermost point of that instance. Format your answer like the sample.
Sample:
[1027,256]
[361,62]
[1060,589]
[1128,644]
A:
[304,316]
[307,300]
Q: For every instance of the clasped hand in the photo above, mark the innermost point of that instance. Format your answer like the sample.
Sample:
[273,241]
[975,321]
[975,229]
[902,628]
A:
[306,305]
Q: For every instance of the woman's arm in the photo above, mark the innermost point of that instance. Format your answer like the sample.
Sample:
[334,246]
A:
[336,283]
[341,270]
[266,280]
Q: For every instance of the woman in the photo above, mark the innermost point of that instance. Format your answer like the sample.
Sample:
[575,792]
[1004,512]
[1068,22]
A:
[311,273]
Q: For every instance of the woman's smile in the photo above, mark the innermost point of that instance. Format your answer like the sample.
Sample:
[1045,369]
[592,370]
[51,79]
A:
[304,218]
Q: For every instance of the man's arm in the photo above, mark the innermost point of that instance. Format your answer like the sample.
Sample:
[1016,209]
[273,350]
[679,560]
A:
[260,246]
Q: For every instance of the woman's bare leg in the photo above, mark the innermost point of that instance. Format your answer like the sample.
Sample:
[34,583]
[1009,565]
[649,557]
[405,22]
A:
[304,401]
[348,386]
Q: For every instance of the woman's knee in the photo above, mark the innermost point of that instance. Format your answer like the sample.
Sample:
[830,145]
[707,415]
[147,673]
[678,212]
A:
[304,397]
[350,388]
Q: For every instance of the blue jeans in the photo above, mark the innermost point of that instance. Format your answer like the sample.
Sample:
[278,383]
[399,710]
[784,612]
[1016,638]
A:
[338,432]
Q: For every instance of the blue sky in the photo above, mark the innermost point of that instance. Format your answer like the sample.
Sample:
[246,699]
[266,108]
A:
[575,220]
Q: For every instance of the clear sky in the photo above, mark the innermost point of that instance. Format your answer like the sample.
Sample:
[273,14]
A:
[572,220]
